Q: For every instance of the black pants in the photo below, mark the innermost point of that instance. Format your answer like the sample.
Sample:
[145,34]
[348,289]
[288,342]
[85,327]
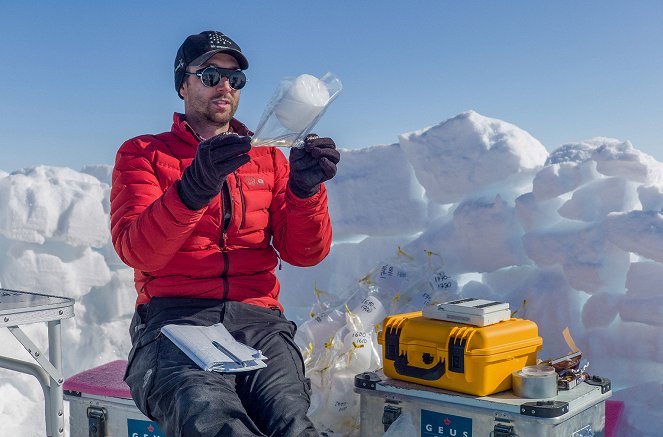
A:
[187,401]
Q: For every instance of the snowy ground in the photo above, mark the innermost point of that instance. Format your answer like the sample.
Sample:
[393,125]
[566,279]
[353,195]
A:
[577,234]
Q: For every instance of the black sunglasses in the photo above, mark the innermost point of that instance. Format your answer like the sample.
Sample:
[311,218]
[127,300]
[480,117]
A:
[211,76]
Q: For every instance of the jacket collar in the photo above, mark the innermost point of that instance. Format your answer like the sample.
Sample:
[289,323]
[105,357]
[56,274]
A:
[184,131]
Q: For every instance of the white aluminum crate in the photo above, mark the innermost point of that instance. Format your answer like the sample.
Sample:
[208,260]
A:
[579,412]
[100,405]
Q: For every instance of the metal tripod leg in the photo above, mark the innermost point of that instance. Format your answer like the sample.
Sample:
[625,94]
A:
[53,391]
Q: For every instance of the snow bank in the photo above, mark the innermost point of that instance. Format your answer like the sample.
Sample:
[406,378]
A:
[571,239]
[396,205]
[468,152]
[55,204]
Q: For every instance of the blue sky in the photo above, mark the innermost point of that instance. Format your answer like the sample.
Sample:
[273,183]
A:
[80,77]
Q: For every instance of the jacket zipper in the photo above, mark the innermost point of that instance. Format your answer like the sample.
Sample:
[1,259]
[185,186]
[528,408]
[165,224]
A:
[241,198]
[225,191]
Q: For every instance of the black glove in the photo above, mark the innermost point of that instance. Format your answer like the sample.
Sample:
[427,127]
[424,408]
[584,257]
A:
[312,164]
[215,159]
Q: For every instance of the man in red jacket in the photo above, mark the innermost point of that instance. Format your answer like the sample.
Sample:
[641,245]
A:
[203,219]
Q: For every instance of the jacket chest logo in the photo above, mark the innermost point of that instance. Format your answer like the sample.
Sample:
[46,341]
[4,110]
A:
[252,181]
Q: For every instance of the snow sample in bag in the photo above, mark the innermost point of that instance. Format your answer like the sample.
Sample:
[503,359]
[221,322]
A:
[302,103]
[295,108]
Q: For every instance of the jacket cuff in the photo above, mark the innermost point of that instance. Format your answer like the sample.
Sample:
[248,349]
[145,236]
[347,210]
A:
[315,199]
[302,193]
[179,210]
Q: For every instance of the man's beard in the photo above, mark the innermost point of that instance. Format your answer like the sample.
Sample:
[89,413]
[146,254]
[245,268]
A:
[213,116]
[219,119]
[209,115]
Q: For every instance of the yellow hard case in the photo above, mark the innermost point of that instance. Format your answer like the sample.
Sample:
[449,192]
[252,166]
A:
[454,356]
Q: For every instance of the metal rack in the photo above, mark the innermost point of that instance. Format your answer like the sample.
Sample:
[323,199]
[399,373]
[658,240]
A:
[22,308]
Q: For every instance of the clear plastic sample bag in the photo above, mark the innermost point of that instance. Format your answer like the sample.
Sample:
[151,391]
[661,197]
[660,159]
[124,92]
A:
[294,109]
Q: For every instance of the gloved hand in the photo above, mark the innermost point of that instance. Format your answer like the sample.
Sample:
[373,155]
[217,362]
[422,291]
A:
[215,159]
[312,164]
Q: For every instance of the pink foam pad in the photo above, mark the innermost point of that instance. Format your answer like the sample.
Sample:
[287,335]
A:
[105,380]
[613,415]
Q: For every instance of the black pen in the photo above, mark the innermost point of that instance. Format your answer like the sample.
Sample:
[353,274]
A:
[228,353]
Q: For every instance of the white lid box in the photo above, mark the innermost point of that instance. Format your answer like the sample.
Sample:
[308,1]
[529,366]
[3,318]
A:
[473,306]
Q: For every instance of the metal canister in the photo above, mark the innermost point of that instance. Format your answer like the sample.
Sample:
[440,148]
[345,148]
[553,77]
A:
[535,382]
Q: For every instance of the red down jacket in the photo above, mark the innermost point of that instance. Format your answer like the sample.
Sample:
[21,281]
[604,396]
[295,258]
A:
[177,252]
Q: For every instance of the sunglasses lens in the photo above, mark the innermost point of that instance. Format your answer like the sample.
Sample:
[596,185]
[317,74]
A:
[210,77]
[237,80]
